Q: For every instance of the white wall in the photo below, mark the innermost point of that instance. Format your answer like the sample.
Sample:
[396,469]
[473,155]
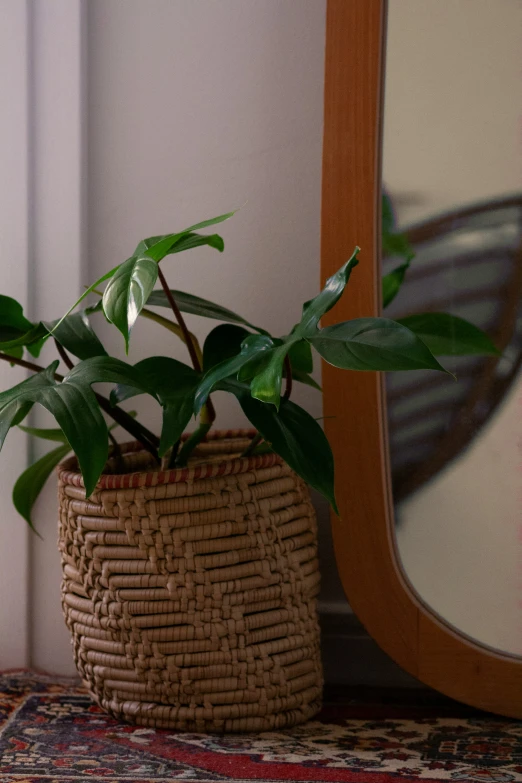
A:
[452,136]
[192,109]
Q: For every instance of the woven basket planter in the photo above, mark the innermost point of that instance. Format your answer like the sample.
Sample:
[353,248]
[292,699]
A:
[191,593]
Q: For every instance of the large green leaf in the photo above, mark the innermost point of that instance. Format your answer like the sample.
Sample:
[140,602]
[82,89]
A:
[127,292]
[195,305]
[107,369]
[76,335]
[391,283]
[75,408]
[314,310]
[449,335]
[158,247]
[373,344]
[252,347]
[31,482]
[223,342]
[295,436]
[174,384]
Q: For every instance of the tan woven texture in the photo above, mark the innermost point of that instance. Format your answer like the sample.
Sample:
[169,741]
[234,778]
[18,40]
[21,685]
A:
[191,593]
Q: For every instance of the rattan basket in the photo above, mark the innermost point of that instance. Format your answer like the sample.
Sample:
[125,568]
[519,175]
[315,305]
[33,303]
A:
[191,593]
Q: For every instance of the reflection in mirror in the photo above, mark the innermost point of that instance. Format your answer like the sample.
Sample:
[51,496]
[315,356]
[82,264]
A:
[452,225]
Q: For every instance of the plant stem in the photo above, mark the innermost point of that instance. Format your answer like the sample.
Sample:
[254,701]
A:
[121,417]
[256,440]
[208,412]
[171,326]
[179,318]
[28,365]
[63,355]
[288,368]
[192,442]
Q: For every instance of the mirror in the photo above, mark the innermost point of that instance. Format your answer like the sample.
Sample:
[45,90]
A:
[451,179]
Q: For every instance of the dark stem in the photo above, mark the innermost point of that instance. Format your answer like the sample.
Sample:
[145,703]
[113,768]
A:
[181,321]
[256,440]
[211,413]
[138,431]
[288,368]
[63,355]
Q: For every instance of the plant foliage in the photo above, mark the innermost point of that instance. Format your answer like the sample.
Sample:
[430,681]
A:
[256,367]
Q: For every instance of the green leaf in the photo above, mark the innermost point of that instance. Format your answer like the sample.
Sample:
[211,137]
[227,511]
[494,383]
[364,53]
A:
[223,342]
[75,408]
[449,335]
[392,282]
[76,335]
[127,292]
[373,344]
[295,436]
[266,383]
[10,414]
[106,369]
[35,335]
[303,377]
[397,245]
[13,323]
[45,433]
[253,346]
[158,247]
[174,385]
[195,305]
[314,310]
[86,293]
[31,482]
[301,358]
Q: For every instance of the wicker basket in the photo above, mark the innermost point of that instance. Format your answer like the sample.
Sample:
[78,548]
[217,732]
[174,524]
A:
[191,593]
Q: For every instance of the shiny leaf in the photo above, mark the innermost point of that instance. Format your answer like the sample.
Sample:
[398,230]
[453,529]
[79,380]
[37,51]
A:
[158,247]
[314,310]
[449,335]
[373,344]
[253,346]
[295,436]
[266,383]
[195,305]
[127,292]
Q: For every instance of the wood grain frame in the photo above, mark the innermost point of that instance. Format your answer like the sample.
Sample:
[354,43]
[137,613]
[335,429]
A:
[371,573]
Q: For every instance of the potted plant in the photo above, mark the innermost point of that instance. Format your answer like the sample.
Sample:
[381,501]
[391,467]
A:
[189,561]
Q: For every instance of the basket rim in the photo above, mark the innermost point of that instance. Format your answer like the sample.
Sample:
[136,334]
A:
[69,474]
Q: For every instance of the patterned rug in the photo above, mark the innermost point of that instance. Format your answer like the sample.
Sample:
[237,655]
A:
[51,732]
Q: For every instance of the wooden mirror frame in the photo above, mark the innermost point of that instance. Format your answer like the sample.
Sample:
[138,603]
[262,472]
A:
[375,584]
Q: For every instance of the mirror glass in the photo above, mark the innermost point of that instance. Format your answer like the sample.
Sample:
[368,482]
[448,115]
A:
[452,226]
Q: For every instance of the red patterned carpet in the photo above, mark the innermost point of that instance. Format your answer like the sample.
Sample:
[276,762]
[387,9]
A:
[50,732]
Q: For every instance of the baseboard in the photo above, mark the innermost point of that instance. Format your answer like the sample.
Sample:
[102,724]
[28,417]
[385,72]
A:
[351,657]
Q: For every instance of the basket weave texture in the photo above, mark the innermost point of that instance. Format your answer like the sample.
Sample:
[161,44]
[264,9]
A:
[191,593]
